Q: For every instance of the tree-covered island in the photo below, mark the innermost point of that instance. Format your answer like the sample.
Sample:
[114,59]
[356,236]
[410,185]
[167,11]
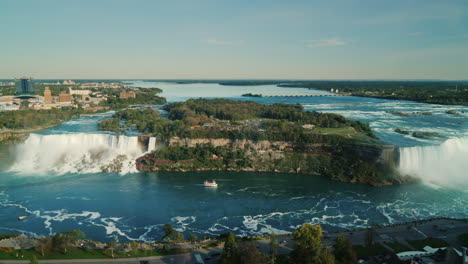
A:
[219,134]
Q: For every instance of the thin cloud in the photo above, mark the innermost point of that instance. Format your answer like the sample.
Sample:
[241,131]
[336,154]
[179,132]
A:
[326,43]
[414,34]
[214,41]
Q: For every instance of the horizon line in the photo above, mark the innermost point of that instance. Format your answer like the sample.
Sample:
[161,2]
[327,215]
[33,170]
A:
[236,79]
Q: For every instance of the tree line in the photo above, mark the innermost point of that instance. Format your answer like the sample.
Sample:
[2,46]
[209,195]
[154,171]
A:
[308,248]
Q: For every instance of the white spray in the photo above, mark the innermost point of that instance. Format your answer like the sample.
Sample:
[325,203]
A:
[152,144]
[443,165]
[82,153]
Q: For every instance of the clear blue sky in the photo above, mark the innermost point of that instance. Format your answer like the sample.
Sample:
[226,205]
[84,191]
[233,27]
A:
[347,39]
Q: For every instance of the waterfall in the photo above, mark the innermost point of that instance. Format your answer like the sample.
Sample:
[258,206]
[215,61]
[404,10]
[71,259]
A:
[152,144]
[443,165]
[77,153]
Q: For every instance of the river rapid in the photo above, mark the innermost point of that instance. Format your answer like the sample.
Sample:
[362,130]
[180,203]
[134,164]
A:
[55,177]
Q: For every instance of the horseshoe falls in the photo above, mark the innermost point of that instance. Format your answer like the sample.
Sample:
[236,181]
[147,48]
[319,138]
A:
[444,165]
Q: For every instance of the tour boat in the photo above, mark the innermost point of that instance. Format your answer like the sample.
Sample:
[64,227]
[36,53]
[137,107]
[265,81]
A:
[210,184]
[22,217]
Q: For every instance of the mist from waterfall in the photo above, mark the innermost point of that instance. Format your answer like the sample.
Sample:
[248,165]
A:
[441,165]
[77,153]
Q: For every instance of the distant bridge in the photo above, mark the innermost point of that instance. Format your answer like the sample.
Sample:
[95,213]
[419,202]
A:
[305,95]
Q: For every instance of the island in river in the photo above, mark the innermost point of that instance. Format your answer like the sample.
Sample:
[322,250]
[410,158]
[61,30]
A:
[220,134]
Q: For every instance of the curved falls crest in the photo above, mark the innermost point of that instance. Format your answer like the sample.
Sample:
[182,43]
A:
[445,164]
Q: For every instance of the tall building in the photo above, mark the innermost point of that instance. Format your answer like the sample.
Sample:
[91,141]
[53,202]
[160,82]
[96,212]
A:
[47,96]
[24,86]
[64,97]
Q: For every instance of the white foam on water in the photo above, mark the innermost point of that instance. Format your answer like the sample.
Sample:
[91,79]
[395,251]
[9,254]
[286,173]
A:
[181,222]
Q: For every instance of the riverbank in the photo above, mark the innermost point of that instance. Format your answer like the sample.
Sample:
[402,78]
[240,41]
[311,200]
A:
[414,235]
[431,92]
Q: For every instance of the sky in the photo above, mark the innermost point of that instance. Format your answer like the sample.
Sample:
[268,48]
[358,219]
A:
[237,39]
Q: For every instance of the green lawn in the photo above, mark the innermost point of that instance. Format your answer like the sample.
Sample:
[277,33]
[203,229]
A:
[367,251]
[85,253]
[342,131]
[431,241]
[398,247]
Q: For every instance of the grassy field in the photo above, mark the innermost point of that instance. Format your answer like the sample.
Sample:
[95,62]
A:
[335,131]
[84,253]
[348,132]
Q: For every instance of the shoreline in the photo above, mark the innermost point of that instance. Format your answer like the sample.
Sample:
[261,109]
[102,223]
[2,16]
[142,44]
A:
[395,182]
[376,227]
[418,230]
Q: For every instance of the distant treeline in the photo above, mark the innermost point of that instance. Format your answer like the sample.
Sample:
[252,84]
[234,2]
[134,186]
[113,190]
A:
[436,92]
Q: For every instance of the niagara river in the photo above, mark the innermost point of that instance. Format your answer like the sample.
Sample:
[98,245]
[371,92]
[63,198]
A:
[55,177]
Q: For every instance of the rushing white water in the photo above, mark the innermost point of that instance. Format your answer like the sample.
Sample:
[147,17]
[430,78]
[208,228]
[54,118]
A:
[83,153]
[152,144]
[443,165]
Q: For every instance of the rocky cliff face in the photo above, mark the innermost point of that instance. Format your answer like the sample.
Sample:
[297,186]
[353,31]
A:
[12,137]
[387,155]
[262,145]
[382,154]
[352,162]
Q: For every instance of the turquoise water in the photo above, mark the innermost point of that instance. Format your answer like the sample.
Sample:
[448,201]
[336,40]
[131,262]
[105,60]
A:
[54,178]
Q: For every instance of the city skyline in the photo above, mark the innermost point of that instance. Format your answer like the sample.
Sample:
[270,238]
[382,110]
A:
[242,40]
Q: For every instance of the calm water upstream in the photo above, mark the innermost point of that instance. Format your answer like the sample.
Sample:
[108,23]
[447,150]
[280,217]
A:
[54,178]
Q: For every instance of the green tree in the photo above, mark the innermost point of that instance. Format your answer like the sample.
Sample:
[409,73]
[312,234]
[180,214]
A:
[326,257]
[171,234]
[192,238]
[249,253]
[44,245]
[61,241]
[113,245]
[307,244]
[34,260]
[134,246]
[273,248]
[230,251]
[343,251]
